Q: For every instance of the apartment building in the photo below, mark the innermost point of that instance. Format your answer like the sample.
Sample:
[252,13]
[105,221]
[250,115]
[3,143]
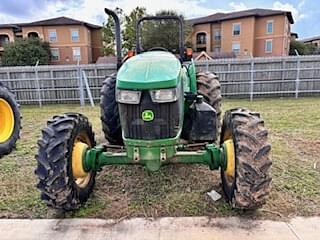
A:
[71,41]
[255,32]
[315,41]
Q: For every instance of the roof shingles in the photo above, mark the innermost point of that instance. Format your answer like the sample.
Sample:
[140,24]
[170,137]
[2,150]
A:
[52,22]
[257,12]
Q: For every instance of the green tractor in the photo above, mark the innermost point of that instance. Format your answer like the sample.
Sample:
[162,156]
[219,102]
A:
[155,111]
[9,121]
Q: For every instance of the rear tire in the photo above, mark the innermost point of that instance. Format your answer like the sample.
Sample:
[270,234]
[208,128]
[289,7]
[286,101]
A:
[251,184]
[110,118]
[57,185]
[208,86]
[7,100]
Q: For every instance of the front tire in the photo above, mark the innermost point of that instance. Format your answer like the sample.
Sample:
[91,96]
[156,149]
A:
[247,181]
[57,184]
[10,121]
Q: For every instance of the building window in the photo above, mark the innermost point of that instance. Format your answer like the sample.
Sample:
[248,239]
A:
[236,48]
[269,26]
[76,52]
[201,38]
[217,34]
[217,49]
[55,55]
[236,29]
[268,46]
[4,39]
[52,35]
[75,35]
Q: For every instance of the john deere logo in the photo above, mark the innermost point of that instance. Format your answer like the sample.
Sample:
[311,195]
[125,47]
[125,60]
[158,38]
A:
[147,115]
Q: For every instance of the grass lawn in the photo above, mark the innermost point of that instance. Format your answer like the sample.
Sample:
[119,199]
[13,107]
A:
[123,191]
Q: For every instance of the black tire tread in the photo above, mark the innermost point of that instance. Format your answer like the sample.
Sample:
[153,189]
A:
[54,172]
[110,118]
[253,162]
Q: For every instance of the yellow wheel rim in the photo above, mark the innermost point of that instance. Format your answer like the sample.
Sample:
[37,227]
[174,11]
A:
[230,158]
[6,121]
[231,161]
[80,146]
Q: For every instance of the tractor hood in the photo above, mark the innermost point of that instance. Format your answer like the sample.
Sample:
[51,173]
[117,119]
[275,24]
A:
[149,70]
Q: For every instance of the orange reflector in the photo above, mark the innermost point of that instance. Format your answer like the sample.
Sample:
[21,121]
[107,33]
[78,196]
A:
[130,53]
[189,51]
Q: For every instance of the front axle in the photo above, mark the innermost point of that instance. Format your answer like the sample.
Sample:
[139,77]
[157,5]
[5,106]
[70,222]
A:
[153,157]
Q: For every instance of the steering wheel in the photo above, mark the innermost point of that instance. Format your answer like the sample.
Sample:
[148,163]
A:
[158,49]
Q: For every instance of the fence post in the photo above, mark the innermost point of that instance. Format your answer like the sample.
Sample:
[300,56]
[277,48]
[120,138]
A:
[283,69]
[251,79]
[38,84]
[8,82]
[53,85]
[80,84]
[96,75]
[228,72]
[86,82]
[298,78]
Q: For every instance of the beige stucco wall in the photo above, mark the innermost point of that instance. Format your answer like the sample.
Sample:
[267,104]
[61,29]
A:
[280,36]
[9,32]
[27,30]
[206,28]
[66,55]
[246,37]
[96,44]
[252,37]
[65,44]
[90,42]
[64,34]
[316,42]
[214,43]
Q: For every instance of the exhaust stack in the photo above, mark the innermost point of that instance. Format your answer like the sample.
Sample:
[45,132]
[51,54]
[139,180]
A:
[118,36]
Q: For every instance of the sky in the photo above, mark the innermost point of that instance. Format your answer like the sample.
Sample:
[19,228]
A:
[305,12]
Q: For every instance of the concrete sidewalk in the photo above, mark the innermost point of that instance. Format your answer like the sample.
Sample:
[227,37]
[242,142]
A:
[164,228]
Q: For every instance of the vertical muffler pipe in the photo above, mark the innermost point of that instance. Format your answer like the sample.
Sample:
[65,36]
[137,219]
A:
[118,35]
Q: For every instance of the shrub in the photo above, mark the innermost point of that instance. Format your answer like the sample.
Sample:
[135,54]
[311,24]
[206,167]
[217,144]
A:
[27,51]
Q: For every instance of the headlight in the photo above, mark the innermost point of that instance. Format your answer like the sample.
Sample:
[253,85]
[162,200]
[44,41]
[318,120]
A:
[128,96]
[164,95]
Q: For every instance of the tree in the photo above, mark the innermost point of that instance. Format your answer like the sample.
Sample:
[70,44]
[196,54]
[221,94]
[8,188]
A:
[302,48]
[311,49]
[108,38]
[26,51]
[187,34]
[129,32]
[108,33]
[163,33]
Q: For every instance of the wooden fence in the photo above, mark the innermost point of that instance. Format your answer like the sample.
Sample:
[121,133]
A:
[54,84]
[261,77]
[252,78]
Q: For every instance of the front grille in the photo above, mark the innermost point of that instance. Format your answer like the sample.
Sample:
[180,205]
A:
[164,125]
